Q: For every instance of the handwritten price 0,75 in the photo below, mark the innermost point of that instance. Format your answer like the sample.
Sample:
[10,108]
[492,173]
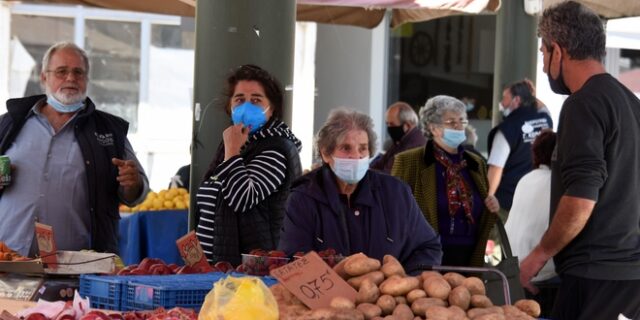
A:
[315,288]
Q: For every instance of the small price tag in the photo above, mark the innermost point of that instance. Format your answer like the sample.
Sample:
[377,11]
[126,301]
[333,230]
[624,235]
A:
[313,281]
[191,251]
[46,245]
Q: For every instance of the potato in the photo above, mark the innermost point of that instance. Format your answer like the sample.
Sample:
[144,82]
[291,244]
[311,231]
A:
[421,304]
[341,303]
[398,286]
[475,312]
[334,314]
[414,294]
[457,313]
[403,312]
[391,266]
[427,274]
[528,306]
[376,276]
[460,297]
[401,300]
[369,310]
[387,303]
[438,312]
[437,287]
[513,312]
[490,316]
[368,292]
[475,285]
[291,312]
[480,301]
[358,266]
[455,279]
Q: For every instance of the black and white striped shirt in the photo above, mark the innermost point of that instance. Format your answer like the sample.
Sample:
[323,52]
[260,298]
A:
[241,185]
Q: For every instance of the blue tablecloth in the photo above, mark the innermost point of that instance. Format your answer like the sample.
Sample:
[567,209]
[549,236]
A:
[152,234]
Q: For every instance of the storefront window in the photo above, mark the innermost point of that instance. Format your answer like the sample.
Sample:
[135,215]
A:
[114,54]
[630,69]
[31,36]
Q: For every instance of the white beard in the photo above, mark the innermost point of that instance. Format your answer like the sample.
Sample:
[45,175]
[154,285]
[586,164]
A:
[66,98]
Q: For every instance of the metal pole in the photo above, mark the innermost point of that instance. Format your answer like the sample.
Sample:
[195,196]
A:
[516,45]
[229,34]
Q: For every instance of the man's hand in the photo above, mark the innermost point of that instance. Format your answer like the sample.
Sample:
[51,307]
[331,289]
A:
[530,266]
[128,174]
[234,138]
[492,203]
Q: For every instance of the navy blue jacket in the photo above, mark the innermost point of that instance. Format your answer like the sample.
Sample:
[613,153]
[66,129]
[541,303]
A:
[397,227]
[520,128]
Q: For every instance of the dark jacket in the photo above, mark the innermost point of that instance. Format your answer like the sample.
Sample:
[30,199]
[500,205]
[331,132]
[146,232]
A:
[259,227]
[417,167]
[101,173]
[520,128]
[410,140]
[397,227]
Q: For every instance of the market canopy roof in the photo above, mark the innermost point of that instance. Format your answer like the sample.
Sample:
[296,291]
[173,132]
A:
[363,13]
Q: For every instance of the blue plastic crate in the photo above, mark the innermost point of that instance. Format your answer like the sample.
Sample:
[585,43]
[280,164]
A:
[104,292]
[167,293]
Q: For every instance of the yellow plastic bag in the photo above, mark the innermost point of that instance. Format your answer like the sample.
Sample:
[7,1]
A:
[245,298]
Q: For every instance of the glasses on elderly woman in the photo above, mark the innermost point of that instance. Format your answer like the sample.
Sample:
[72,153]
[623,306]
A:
[455,123]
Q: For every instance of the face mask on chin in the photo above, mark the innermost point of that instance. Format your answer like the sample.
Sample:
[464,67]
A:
[64,108]
[350,171]
[505,111]
[557,85]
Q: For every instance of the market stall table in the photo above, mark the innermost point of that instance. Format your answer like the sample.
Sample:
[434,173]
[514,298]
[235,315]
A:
[152,234]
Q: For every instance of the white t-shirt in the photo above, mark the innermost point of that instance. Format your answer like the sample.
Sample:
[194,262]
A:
[500,150]
[529,217]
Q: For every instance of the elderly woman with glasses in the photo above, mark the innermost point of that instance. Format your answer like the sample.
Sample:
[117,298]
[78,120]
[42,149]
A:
[347,207]
[450,183]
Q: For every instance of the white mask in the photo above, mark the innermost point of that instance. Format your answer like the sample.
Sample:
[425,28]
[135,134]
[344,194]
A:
[350,171]
[505,111]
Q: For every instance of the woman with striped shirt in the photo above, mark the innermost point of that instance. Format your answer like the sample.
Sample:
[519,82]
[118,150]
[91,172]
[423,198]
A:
[240,202]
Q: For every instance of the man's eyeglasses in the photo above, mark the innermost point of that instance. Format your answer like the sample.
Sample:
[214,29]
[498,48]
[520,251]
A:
[455,124]
[63,73]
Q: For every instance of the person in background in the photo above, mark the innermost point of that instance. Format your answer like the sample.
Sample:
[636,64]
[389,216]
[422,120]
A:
[402,127]
[74,163]
[594,234]
[182,178]
[529,217]
[345,206]
[510,141]
[450,183]
[472,138]
[241,199]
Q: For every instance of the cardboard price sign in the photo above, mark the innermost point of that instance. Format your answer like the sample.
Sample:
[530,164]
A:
[191,251]
[313,281]
[46,245]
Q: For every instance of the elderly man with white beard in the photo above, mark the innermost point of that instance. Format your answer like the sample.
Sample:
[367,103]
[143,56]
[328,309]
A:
[71,164]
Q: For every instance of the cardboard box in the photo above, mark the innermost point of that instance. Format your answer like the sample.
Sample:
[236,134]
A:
[69,263]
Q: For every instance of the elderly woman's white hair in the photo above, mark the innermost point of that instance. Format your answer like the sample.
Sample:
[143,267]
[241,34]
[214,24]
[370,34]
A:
[435,108]
[340,122]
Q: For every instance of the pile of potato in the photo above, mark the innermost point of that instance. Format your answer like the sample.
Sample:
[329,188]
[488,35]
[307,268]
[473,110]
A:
[386,292]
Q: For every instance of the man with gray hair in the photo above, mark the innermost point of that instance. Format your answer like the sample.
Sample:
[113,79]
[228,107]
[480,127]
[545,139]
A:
[594,234]
[402,126]
[73,163]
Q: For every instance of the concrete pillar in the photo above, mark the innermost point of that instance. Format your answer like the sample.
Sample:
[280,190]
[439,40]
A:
[516,49]
[229,34]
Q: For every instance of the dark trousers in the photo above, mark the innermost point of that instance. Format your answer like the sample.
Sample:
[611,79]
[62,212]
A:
[546,297]
[581,298]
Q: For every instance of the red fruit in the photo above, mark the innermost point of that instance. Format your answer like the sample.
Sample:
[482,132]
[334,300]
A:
[258,252]
[223,266]
[204,268]
[174,267]
[146,263]
[240,268]
[277,253]
[36,316]
[298,254]
[138,272]
[186,270]
[329,252]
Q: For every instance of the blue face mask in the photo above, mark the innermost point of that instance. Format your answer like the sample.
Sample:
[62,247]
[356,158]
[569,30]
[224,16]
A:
[453,138]
[350,171]
[249,115]
[64,108]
